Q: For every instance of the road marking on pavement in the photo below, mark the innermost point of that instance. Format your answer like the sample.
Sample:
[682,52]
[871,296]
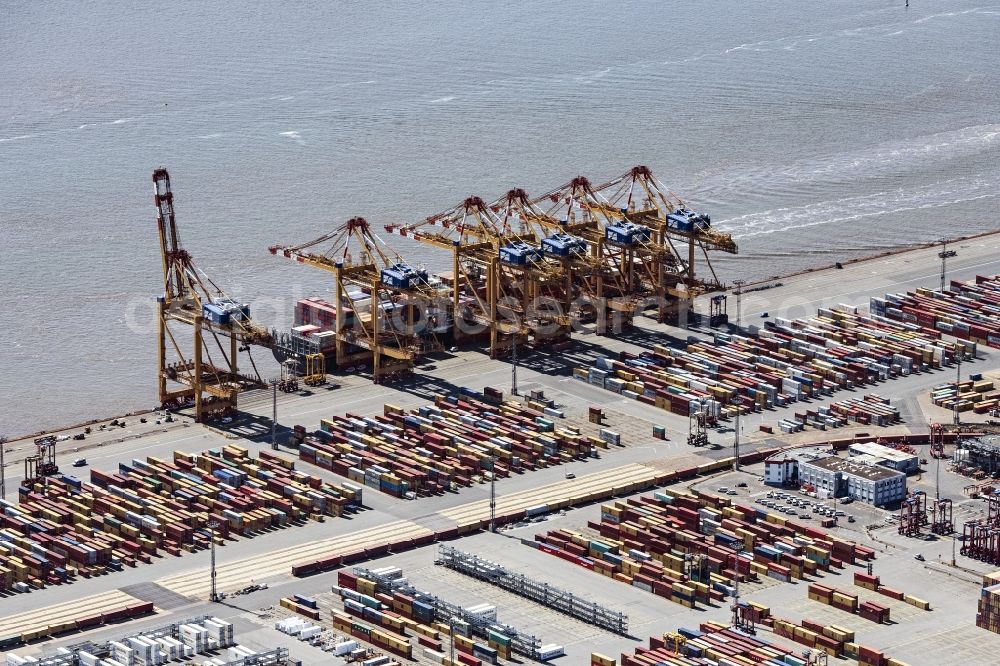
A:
[564,492]
[65,612]
[231,575]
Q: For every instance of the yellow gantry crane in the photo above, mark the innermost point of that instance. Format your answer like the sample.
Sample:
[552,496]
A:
[674,222]
[388,312]
[500,277]
[192,301]
[627,257]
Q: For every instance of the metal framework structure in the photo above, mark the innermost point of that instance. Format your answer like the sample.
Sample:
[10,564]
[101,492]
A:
[43,462]
[530,267]
[981,541]
[630,264]
[937,441]
[984,453]
[502,282]
[551,597]
[942,521]
[698,429]
[446,612]
[913,514]
[386,309]
[680,232]
[192,301]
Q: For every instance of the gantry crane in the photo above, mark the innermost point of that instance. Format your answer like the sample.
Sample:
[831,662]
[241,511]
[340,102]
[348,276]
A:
[575,294]
[630,260]
[387,311]
[191,299]
[675,226]
[500,277]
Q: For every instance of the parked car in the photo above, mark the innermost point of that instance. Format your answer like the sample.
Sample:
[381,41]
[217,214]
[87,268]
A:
[805,515]
[80,462]
[731,492]
[741,484]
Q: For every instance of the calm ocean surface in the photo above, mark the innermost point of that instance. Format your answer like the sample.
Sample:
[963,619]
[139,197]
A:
[812,131]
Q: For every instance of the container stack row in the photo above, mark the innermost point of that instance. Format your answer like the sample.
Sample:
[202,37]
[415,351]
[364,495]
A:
[789,360]
[849,603]
[872,409]
[62,528]
[977,395]
[874,584]
[988,616]
[85,622]
[452,443]
[966,310]
[691,548]
[713,644]
[830,639]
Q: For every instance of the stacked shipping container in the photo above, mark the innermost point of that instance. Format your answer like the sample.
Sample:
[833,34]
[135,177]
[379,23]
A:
[63,527]
[789,360]
[966,311]
[434,448]
[690,548]
[988,616]
[975,394]
[712,644]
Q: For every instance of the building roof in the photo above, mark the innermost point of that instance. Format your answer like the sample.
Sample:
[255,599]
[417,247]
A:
[884,452]
[852,468]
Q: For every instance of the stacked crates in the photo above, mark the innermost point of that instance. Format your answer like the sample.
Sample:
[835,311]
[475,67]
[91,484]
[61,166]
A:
[62,527]
[712,643]
[967,311]
[452,443]
[988,616]
[645,542]
[789,360]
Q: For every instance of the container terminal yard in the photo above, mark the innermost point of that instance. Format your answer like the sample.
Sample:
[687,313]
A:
[454,474]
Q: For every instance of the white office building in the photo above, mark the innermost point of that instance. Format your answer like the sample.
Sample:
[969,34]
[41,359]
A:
[858,480]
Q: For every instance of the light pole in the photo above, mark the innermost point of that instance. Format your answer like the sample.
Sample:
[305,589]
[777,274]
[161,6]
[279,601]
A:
[3,469]
[945,254]
[739,301]
[214,594]
[513,365]
[958,380]
[274,414]
[451,630]
[493,493]
[738,402]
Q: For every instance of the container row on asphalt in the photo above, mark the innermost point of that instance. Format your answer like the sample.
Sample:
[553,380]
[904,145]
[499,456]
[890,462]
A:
[716,644]
[966,310]
[787,361]
[872,409]
[712,643]
[63,528]
[977,395]
[458,440]
[85,622]
[874,584]
[691,547]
